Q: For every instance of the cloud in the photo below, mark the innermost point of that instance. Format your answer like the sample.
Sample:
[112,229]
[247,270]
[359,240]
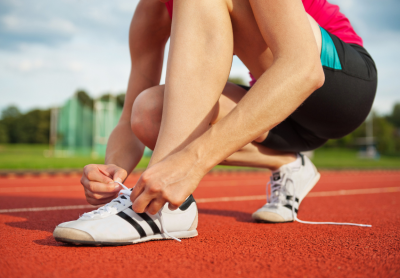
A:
[48,49]
[51,23]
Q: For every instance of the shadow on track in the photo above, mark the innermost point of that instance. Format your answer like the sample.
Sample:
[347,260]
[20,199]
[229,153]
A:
[240,216]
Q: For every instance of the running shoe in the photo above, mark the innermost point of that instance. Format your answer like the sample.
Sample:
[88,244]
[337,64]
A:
[117,224]
[288,186]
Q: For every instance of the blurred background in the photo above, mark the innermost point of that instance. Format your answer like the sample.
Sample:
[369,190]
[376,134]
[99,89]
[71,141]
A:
[64,67]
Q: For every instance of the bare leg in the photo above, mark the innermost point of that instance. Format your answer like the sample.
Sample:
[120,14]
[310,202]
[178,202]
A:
[146,121]
[200,56]
[200,53]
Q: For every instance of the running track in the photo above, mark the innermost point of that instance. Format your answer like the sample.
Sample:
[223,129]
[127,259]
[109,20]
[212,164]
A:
[229,243]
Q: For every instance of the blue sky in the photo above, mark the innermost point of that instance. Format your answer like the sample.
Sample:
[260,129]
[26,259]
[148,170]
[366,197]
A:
[49,49]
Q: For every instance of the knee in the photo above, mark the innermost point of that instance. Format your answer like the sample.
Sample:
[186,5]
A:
[146,111]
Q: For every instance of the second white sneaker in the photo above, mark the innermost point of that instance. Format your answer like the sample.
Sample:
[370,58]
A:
[288,186]
[117,224]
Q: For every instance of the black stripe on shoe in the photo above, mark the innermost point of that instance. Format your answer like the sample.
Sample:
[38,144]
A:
[291,208]
[136,225]
[186,204]
[291,198]
[149,221]
[302,158]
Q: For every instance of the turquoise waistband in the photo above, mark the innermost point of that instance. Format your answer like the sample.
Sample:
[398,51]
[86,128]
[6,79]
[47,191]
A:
[329,55]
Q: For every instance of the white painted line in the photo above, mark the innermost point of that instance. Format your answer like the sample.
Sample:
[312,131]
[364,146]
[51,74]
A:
[231,199]
[41,189]
[228,199]
[48,208]
[354,192]
[207,183]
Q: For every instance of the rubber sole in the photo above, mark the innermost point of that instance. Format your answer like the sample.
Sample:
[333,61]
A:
[308,188]
[187,234]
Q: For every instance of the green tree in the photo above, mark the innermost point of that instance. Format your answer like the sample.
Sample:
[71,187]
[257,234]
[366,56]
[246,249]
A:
[237,80]
[32,127]
[3,134]
[84,98]
[394,118]
[10,112]
[121,99]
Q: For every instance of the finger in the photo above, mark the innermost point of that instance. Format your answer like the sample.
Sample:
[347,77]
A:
[99,196]
[98,187]
[96,202]
[119,175]
[155,206]
[137,189]
[142,202]
[93,173]
[172,207]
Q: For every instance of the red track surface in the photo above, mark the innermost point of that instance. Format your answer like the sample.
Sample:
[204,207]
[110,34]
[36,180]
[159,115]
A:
[229,243]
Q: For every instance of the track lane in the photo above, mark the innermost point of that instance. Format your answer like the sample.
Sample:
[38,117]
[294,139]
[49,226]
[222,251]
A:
[229,243]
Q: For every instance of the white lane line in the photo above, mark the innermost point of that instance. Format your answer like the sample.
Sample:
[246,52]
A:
[41,189]
[228,199]
[354,192]
[47,208]
[249,182]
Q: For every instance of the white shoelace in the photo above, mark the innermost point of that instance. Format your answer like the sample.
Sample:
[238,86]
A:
[108,208]
[276,186]
[127,192]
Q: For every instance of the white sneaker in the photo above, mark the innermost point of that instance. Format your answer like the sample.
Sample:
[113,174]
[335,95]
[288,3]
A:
[289,185]
[117,224]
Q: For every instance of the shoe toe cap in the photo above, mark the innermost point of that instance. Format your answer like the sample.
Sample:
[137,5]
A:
[71,234]
[267,216]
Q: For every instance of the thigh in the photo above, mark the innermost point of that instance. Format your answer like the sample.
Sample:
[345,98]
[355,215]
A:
[346,98]
[249,44]
[335,109]
[150,102]
[290,136]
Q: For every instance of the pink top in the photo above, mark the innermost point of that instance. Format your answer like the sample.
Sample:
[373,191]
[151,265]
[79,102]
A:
[327,15]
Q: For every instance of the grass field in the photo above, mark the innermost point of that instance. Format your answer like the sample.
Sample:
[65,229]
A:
[24,157]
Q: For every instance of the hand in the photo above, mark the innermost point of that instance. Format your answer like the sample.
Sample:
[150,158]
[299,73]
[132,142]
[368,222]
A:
[99,182]
[171,180]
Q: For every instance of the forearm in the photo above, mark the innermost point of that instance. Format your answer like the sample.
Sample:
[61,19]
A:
[149,32]
[272,99]
[124,149]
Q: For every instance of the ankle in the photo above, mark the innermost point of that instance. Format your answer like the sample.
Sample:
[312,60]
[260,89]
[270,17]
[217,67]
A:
[283,160]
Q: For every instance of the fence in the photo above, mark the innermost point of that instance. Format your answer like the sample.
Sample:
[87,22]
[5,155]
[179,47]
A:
[82,129]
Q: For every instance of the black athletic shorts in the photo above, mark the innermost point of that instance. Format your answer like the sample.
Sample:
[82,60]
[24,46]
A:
[334,110]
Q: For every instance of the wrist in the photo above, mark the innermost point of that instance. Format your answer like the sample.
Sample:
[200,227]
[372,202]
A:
[199,156]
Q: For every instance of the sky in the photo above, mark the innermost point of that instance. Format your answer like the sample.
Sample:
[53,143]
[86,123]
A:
[49,49]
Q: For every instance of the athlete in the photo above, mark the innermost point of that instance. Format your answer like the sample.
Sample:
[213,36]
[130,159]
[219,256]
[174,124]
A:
[313,81]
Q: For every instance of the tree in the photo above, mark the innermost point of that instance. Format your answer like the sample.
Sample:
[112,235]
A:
[10,112]
[32,127]
[237,80]
[121,99]
[84,98]
[3,134]
[394,118]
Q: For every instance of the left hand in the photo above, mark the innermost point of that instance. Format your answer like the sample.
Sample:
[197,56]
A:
[171,180]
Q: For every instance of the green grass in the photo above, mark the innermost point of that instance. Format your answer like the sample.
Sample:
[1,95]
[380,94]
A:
[24,157]
[334,158]
[31,157]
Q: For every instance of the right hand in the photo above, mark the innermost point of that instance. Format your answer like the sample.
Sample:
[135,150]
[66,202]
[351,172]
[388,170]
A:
[99,182]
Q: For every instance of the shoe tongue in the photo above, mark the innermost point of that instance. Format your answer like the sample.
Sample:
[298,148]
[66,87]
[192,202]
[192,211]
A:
[276,176]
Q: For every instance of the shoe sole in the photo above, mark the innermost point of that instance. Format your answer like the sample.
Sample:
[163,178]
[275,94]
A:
[308,188]
[187,234]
